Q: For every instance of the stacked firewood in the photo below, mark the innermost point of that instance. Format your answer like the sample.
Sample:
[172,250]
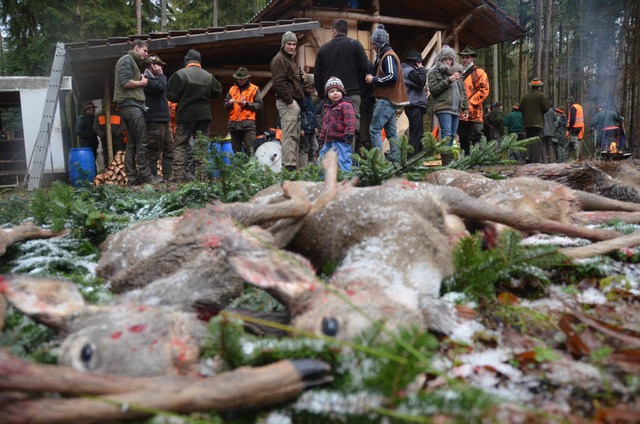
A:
[114,174]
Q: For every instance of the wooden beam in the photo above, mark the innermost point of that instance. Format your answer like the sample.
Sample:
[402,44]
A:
[458,28]
[226,72]
[363,17]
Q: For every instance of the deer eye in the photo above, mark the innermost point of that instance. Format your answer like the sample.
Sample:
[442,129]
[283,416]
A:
[330,326]
[86,353]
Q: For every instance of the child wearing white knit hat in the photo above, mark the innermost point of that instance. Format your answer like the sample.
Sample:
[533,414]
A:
[338,123]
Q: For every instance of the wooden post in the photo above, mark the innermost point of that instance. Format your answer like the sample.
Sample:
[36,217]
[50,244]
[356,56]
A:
[107,115]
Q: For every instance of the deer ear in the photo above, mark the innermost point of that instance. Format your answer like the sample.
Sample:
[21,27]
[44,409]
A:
[49,301]
[286,275]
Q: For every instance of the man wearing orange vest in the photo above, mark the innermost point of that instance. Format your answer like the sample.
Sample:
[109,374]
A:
[242,102]
[476,84]
[118,132]
[575,128]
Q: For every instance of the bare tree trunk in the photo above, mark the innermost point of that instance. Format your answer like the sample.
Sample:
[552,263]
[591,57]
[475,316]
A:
[215,13]
[545,43]
[537,37]
[139,16]
[495,87]
[163,15]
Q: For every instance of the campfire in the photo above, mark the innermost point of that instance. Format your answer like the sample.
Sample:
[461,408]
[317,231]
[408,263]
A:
[614,153]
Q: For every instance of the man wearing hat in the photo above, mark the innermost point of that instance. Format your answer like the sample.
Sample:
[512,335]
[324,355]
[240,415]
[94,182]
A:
[575,128]
[157,117]
[84,128]
[241,103]
[389,91]
[415,79]
[287,85]
[129,96]
[533,106]
[476,85]
[192,88]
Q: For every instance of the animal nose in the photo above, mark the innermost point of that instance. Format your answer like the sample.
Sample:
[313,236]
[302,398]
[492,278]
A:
[86,353]
[330,326]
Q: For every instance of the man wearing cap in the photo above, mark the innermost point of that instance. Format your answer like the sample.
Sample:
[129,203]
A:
[241,103]
[192,88]
[415,79]
[84,128]
[287,85]
[129,96]
[344,58]
[476,85]
[533,106]
[575,128]
[157,117]
[389,91]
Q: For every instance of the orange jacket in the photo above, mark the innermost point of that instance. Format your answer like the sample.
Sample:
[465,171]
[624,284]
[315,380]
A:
[238,113]
[477,87]
[578,122]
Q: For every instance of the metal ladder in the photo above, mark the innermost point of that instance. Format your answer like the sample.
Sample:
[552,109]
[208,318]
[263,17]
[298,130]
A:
[41,147]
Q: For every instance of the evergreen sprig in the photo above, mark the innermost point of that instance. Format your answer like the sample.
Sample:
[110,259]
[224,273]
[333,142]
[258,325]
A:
[490,153]
[478,270]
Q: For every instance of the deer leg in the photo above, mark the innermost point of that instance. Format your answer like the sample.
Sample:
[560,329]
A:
[26,231]
[595,202]
[603,247]
[461,204]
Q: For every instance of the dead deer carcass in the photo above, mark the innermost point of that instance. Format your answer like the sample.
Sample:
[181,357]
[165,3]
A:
[174,270]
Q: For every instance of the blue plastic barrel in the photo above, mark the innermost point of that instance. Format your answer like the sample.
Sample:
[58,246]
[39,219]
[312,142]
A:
[82,166]
[223,147]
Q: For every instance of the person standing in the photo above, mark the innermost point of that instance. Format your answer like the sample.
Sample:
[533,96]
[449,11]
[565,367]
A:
[513,125]
[495,119]
[415,78]
[130,100]
[447,93]
[308,150]
[242,102]
[287,85]
[84,128]
[157,117]
[192,88]
[389,91]
[476,84]
[338,123]
[118,132]
[575,128]
[606,124]
[548,134]
[534,105]
[345,59]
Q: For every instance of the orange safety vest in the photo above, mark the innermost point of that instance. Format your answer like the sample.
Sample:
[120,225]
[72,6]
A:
[579,120]
[114,119]
[239,113]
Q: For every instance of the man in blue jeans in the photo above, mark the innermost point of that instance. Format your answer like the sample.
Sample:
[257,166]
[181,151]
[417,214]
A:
[388,89]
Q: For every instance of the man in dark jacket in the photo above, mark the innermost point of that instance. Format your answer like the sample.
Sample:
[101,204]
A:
[84,128]
[128,93]
[533,106]
[287,85]
[157,117]
[192,88]
[415,79]
[344,58]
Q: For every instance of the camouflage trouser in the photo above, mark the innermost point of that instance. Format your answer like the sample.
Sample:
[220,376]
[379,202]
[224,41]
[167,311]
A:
[182,150]
[578,148]
[290,123]
[160,143]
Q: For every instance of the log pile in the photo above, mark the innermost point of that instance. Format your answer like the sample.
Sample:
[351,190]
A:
[114,174]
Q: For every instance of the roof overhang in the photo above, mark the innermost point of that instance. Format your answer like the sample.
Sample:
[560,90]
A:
[92,62]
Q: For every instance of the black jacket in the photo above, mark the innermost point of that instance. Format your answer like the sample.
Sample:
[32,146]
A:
[156,98]
[344,58]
